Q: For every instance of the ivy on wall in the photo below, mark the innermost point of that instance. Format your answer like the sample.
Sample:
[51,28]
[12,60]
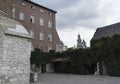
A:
[83,61]
[79,59]
[107,50]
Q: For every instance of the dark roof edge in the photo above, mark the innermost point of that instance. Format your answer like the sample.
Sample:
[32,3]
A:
[108,25]
[40,5]
[105,27]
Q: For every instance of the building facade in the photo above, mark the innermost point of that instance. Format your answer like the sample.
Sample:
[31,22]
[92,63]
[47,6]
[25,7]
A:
[38,20]
[61,47]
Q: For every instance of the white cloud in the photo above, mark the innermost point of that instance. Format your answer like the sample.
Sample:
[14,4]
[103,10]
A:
[69,36]
[82,16]
[110,11]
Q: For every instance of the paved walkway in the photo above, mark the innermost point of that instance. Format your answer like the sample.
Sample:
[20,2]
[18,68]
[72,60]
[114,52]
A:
[75,79]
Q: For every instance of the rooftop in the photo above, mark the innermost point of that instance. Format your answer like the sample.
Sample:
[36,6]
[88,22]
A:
[107,31]
[40,5]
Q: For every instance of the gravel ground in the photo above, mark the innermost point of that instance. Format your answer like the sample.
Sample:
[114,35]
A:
[75,79]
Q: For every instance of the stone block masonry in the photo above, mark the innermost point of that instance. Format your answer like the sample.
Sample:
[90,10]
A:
[15,49]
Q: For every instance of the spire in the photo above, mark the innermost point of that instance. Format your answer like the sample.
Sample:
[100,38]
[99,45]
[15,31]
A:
[79,42]
[84,44]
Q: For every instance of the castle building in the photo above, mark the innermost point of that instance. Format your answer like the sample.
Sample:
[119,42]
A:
[81,43]
[37,19]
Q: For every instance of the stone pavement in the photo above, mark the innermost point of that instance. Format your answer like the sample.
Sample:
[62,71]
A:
[75,79]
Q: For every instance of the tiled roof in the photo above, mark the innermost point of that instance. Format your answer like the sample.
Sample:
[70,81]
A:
[107,31]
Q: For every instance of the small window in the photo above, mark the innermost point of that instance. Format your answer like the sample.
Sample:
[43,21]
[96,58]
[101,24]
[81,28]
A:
[32,33]
[42,11]
[21,16]
[50,14]
[49,24]
[50,38]
[41,22]
[41,36]
[49,48]
[32,19]
[32,48]
[41,48]
[22,2]
[32,7]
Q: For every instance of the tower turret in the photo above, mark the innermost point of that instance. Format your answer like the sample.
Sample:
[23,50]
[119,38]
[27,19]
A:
[79,42]
[84,44]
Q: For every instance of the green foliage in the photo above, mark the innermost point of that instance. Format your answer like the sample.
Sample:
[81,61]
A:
[39,58]
[79,59]
[107,50]
[83,61]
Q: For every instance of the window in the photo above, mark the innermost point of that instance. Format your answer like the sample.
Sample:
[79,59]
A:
[41,48]
[50,38]
[49,24]
[32,7]
[41,36]
[22,2]
[41,22]
[41,10]
[49,48]
[21,16]
[32,33]
[32,19]
[50,14]
[32,48]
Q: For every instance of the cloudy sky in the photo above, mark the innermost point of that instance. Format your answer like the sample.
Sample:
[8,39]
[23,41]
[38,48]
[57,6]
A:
[82,17]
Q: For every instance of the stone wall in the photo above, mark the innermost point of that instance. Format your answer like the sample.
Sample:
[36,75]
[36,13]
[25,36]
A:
[1,42]
[15,62]
[15,49]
